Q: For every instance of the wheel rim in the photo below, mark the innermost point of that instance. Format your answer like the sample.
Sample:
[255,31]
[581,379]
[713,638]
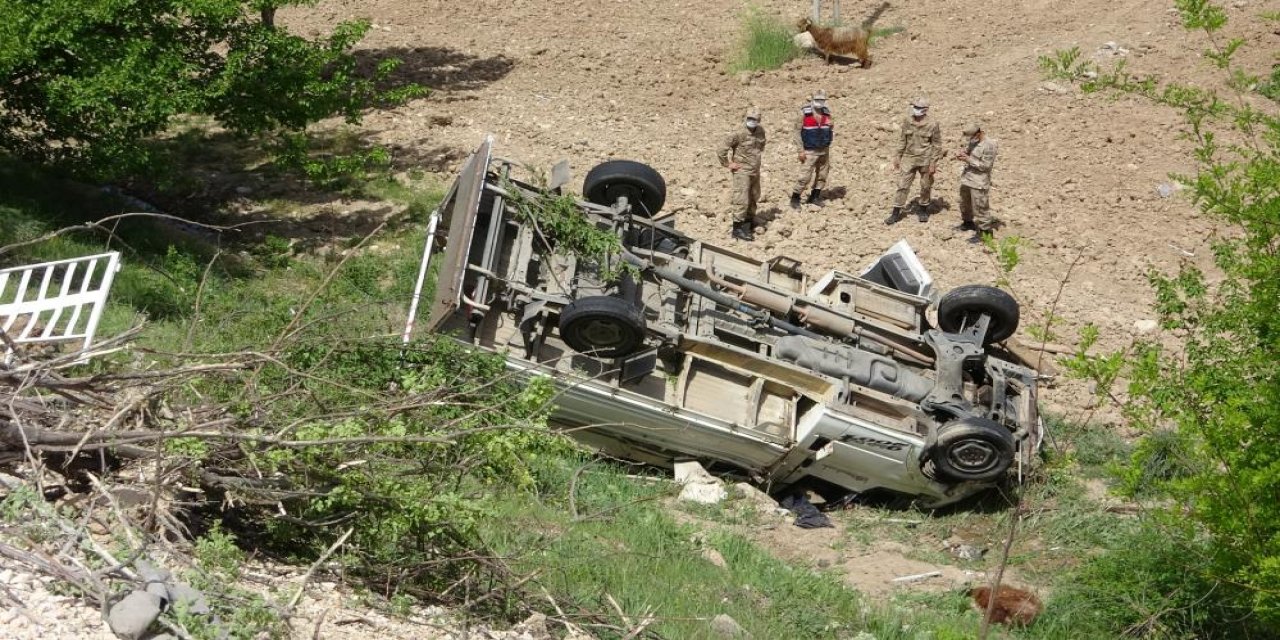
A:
[602,334]
[974,456]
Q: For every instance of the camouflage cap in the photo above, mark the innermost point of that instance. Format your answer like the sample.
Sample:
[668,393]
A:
[973,128]
[818,95]
[753,113]
[920,102]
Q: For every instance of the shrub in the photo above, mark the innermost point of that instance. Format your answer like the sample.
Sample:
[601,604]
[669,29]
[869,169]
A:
[766,44]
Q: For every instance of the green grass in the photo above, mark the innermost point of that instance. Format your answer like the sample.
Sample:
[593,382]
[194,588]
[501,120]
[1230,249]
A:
[766,43]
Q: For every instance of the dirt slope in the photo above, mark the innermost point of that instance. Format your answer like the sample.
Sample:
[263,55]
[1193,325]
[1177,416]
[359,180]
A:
[591,80]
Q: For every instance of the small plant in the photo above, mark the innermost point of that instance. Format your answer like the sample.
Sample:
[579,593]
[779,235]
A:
[334,170]
[1044,332]
[218,554]
[884,32]
[1007,256]
[1065,64]
[767,43]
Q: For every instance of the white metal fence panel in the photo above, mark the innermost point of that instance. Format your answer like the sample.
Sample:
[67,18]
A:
[59,301]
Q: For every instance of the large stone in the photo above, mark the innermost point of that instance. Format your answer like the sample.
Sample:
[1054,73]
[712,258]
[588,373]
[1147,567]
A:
[726,627]
[535,627]
[184,596]
[131,617]
[714,557]
[699,485]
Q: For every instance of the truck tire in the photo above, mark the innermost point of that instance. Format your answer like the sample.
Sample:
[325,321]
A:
[962,306]
[602,327]
[641,184]
[973,449]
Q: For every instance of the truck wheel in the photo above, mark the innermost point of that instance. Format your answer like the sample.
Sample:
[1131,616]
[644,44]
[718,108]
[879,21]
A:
[602,326]
[643,186]
[962,306]
[973,449]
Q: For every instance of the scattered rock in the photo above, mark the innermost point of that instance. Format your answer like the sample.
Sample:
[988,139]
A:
[714,557]
[968,552]
[727,627]
[441,120]
[1143,327]
[131,617]
[1166,189]
[1053,87]
[184,596]
[534,627]
[804,40]
[699,485]
[744,77]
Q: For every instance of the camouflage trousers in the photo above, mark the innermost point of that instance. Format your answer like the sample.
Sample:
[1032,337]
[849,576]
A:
[906,176]
[744,194]
[817,164]
[975,207]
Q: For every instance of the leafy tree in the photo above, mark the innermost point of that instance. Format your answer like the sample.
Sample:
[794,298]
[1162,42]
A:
[1212,407]
[87,81]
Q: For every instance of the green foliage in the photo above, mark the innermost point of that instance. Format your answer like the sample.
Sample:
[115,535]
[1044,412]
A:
[1008,255]
[217,555]
[88,81]
[1065,64]
[766,43]
[560,222]
[331,169]
[1212,408]
[1044,332]
[1156,582]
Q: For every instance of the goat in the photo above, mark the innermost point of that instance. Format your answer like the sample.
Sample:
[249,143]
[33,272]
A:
[843,41]
[1011,606]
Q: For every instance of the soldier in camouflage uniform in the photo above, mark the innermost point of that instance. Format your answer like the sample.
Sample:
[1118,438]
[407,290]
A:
[919,149]
[979,157]
[741,152]
[815,134]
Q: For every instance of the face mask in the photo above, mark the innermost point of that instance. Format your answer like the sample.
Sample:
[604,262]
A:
[917,112]
[820,106]
[751,124]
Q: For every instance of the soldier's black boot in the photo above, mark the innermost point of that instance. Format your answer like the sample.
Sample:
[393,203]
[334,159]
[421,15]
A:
[795,200]
[894,216]
[743,231]
[815,197]
[967,225]
[922,211]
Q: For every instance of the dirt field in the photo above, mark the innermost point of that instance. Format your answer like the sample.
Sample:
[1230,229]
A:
[588,81]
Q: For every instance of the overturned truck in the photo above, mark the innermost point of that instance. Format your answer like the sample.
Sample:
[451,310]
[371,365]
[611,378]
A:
[677,349]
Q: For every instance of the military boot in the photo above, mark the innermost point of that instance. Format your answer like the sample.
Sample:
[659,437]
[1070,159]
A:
[967,225]
[815,197]
[922,211]
[743,230]
[795,200]
[894,216]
